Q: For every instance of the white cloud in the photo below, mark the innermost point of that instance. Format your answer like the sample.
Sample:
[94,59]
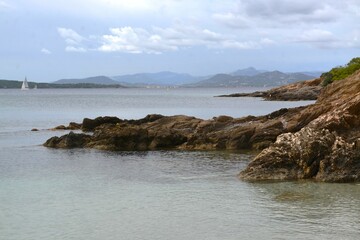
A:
[252,24]
[45,51]
[294,22]
[73,40]
[71,37]
[232,20]
[279,13]
[189,36]
[319,38]
[75,49]
[240,45]
[159,40]
[324,39]
[130,40]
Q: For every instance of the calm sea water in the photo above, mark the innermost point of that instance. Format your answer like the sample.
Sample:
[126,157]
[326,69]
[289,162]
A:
[87,194]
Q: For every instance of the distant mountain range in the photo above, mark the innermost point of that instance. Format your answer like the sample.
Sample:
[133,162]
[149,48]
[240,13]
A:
[157,79]
[93,80]
[274,78]
[250,71]
[242,77]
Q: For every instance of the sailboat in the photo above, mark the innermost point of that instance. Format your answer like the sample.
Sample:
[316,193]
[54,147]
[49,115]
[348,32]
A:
[25,85]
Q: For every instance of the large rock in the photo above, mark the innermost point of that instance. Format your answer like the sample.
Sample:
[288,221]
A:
[326,149]
[309,153]
[150,133]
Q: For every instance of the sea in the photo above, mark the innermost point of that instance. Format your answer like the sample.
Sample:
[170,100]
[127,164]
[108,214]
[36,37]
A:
[86,194]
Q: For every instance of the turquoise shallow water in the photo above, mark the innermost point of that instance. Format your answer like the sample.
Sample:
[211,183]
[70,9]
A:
[88,194]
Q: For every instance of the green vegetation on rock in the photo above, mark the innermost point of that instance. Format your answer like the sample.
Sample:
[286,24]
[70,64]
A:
[339,73]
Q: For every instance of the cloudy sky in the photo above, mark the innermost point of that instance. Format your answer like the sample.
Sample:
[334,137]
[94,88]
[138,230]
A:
[49,40]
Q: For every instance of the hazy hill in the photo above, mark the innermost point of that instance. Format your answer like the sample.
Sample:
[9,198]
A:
[279,78]
[93,80]
[250,71]
[159,78]
[274,78]
[243,77]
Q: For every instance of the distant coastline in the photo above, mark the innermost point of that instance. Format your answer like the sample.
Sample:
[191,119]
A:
[12,84]
[247,77]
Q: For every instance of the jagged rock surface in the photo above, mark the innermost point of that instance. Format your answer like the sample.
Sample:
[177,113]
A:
[157,132]
[327,149]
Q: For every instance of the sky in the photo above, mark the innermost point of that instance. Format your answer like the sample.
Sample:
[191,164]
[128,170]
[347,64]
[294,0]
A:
[51,40]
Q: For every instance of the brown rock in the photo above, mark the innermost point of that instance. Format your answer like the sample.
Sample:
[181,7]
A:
[60,127]
[71,140]
[326,149]
[74,126]
[90,124]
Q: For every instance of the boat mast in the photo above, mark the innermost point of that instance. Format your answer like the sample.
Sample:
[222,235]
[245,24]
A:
[25,85]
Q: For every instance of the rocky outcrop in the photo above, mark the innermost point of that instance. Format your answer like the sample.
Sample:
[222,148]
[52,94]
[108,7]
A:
[157,132]
[71,140]
[327,149]
[110,133]
[309,153]
[320,141]
[305,90]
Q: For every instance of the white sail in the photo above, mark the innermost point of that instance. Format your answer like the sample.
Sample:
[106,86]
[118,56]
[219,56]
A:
[25,85]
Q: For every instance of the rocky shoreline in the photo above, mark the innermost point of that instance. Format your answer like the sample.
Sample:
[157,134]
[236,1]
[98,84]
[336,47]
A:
[320,141]
[326,149]
[305,90]
[157,132]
